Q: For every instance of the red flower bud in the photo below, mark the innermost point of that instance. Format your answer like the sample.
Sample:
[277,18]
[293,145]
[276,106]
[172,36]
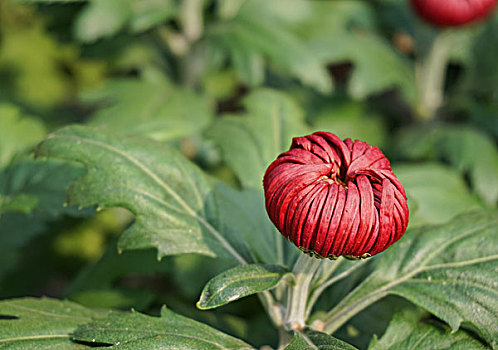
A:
[334,197]
[447,13]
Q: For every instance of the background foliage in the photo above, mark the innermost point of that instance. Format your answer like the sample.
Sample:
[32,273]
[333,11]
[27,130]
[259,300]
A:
[181,106]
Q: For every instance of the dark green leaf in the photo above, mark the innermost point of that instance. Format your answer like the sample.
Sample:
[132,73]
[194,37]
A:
[311,339]
[407,331]
[41,323]
[155,109]
[32,194]
[240,282]
[170,331]
[170,197]
[450,270]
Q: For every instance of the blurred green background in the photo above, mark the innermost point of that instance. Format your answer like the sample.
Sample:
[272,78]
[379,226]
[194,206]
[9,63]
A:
[172,70]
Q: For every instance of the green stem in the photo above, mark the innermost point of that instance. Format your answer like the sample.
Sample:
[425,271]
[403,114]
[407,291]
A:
[430,77]
[304,270]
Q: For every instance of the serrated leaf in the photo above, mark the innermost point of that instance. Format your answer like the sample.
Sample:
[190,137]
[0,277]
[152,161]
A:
[310,339]
[377,67]
[41,323]
[240,282]
[170,331]
[154,109]
[171,198]
[470,150]
[251,142]
[436,193]
[407,331]
[450,270]
[17,132]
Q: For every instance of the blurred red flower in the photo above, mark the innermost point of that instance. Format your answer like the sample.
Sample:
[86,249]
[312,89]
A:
[446,13]
[334,197]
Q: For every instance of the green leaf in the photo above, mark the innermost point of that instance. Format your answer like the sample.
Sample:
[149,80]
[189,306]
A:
[17,132]
[102,18]
[351,119]
[105,18]
[32,194]
[254,35]
[44,323]
[170,331]
[33,186]
[155,109]
[170,197]
[470,150]
[251,142]
[450,270]
[240,282]
[377,67]
[436,193]
[104,273]
[244,213]
[407,331]
[311,339]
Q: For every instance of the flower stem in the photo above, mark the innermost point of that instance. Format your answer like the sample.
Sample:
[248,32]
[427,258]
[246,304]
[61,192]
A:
[430,76]
[304,270]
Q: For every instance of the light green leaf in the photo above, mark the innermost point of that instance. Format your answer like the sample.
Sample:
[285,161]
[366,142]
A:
[171,198]
[240,282]
[377,67]
[105,18]
[450,270]
[170,331]
[17,132]
[44,323]
[102,18]
[251,142]
[436,193]
[154,109]
[407,331]
[469,150]
[311,339]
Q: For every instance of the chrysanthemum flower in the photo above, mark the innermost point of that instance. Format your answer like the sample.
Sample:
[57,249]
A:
[446,13]
[332,197]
